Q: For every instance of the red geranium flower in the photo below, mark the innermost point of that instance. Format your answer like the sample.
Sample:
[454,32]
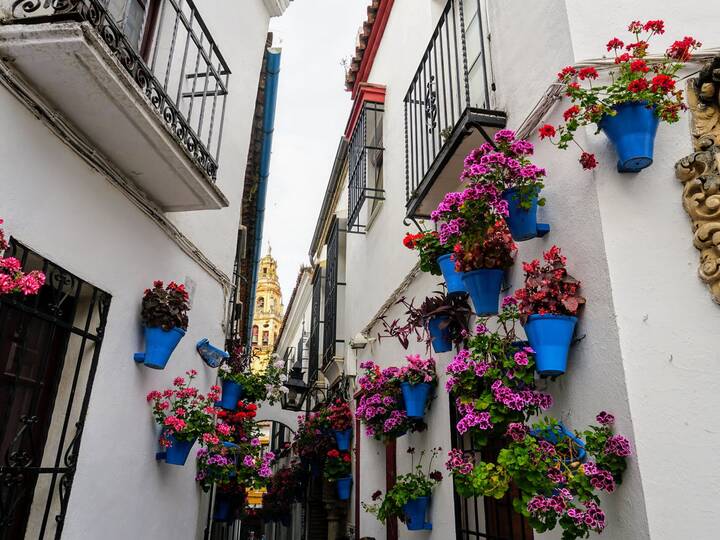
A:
[639,66]
[635,27]
[409,241]
[624,57]
[639,49]
[637,86]
[587,73]
[662,82]
[588,161]
[566,73]
[571,112]
[615,43]
[656,27]
[680,50]
[546,131]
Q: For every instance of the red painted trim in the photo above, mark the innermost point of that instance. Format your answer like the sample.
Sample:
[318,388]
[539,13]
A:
[368,92]
[376,34]
[357,478]
[390,478]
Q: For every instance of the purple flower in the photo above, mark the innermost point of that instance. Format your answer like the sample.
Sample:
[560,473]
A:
[605,418]
[618,445]
[516,431]
[504,135]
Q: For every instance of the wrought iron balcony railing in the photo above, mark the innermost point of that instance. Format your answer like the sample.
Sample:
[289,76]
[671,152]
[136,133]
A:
[450,93]
[168,51]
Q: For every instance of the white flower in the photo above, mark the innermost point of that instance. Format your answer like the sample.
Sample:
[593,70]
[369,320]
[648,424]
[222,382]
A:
[225,368]
[283,378]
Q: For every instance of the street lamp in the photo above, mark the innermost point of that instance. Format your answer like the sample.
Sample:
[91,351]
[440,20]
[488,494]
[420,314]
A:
[293,399]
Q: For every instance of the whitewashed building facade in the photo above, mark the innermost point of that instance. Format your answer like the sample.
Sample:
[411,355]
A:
[128,128]
[427,77]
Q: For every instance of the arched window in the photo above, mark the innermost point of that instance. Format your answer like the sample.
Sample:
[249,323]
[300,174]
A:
[261,303]
[266,337]
[255,335]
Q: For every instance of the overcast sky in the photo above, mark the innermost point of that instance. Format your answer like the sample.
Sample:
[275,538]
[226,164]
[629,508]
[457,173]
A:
[312,109]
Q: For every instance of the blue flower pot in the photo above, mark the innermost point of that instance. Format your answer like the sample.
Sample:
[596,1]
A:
[550,336]
[178,452]
[632,131]
[342,438]
[159,345]
[523,223]
[223,511]
[416,398]
[343,487]
[415,511]
[484,287]
[440,336]
[231,394]
[558,433]
[453,279]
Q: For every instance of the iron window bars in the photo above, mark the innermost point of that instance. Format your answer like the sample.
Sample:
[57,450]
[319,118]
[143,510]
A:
[484,517]
[39,381]
[315,314]
[441,91]
[183,75]
[365,159]
[331,295]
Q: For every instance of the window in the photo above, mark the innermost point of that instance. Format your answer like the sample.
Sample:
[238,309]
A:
[366,165]
[314,345]
[137,19]
[255,335]
[49,351]
[266,338]
[331,290]
[486,517]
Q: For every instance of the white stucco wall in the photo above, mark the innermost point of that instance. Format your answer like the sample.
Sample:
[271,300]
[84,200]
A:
[57,205]
[645,356]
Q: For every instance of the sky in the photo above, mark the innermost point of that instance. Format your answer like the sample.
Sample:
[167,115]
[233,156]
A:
[312,109]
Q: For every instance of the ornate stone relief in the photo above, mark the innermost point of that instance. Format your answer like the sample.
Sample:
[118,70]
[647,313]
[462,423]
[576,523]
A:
[700,173]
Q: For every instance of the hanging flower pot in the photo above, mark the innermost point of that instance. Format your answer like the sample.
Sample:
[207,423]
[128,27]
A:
[522,222]
[343,487]
[342,438]
[484,286]
[416,398]
[440,334]
[178,451]
[224,510]
[632,131]
[162,308]
[550,336]
[159,345]
[556,434]
[453,279]
[232,392]
[415,511]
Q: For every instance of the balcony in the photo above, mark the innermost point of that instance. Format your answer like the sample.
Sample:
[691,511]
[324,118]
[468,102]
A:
[447,107]
[141,80]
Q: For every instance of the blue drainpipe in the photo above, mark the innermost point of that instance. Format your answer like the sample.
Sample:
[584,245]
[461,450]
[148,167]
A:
[272,69]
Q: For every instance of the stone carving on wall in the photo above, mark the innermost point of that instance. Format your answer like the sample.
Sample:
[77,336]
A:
[700,173]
